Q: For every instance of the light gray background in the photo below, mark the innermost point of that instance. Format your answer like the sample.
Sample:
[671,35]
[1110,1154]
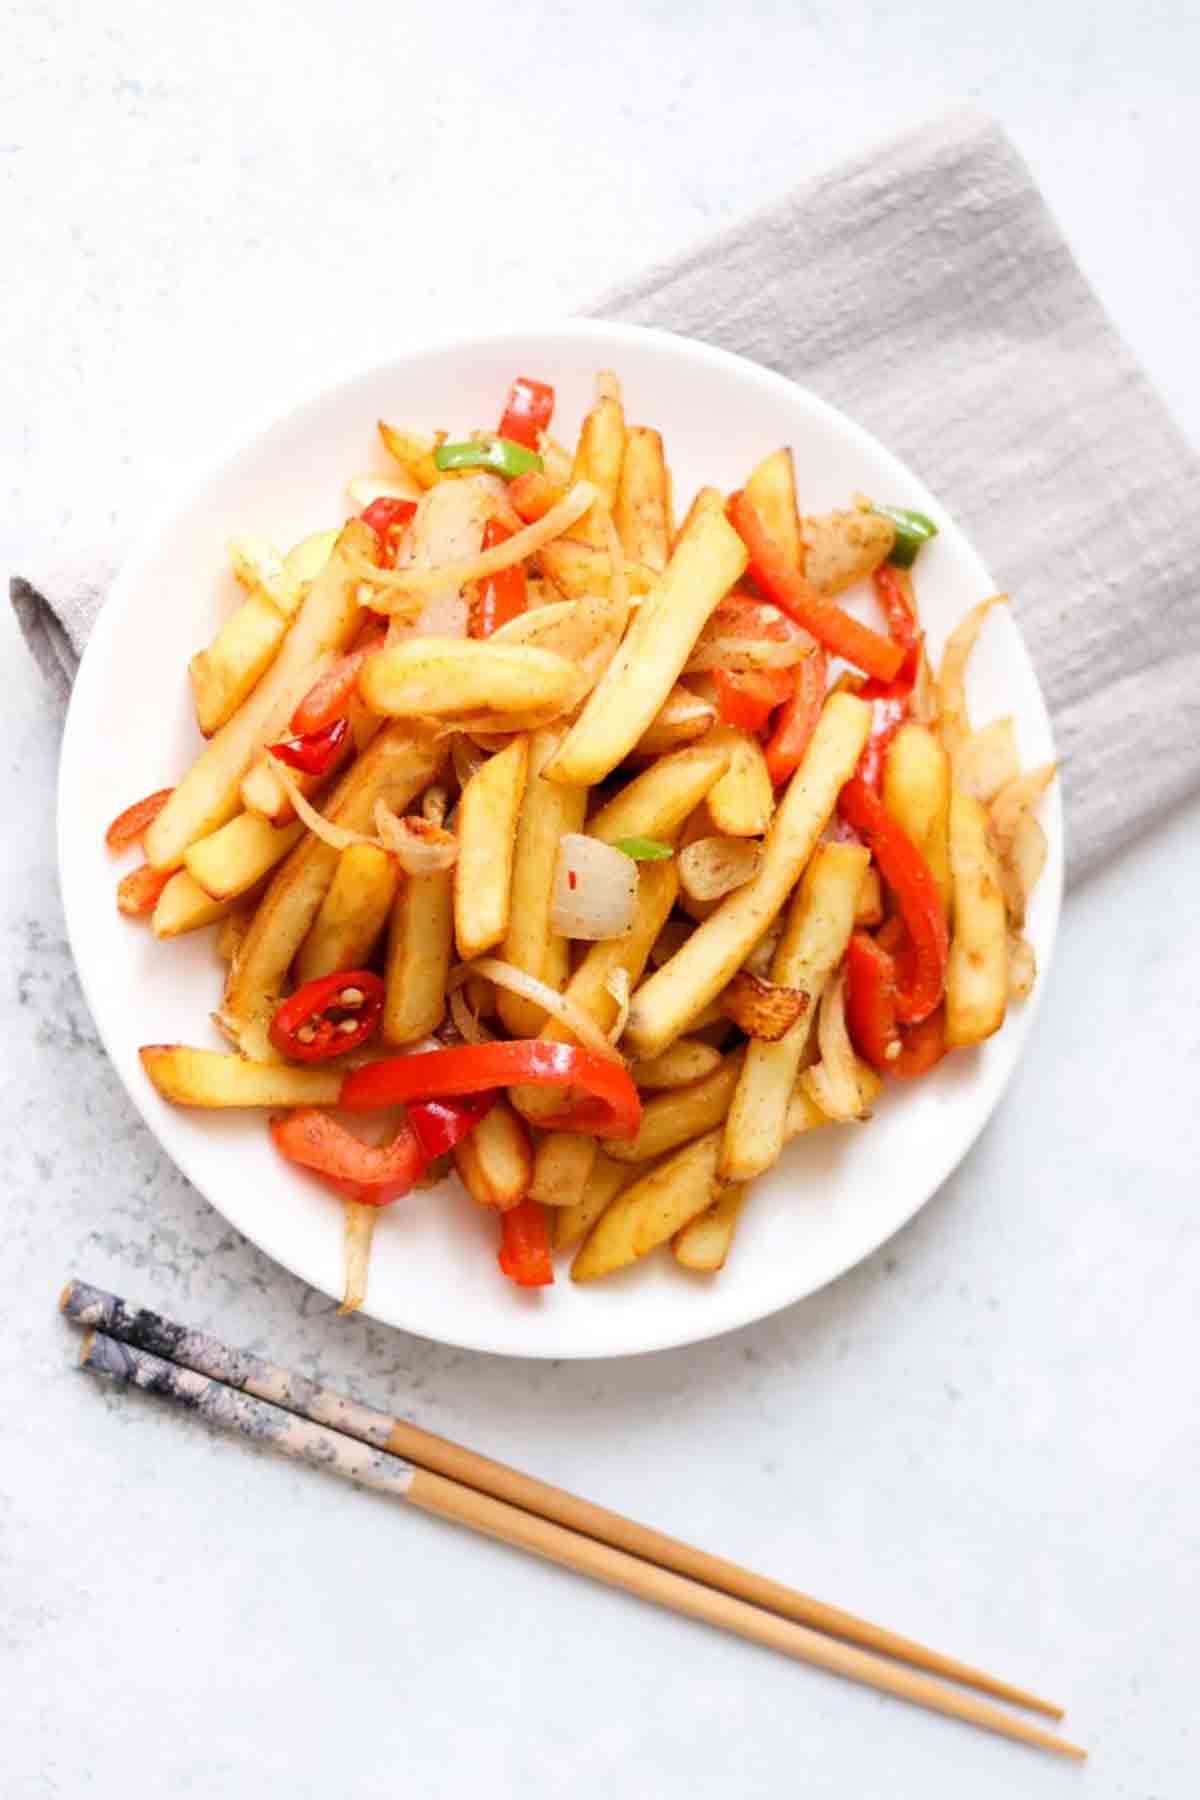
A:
[987,1434]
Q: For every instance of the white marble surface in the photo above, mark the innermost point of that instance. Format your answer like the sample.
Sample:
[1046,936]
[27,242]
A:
[987,1435]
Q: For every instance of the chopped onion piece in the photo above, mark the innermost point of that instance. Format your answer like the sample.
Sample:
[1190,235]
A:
[467,1023]
[578,1022]
[832,1084]
[713,866]
[742,653]
[418,846]
[616,983]
[595,889]
[435,804]
[986,761]
[359,1230]
[951,694]
[338,837]
[1022,967]
[1015,801]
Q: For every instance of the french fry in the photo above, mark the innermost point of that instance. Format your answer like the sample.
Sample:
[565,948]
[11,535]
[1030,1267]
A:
[916,792]
[771,491]
[224,674]
[234,927]
[705,1242]
[665,1004]
[707,561]
[352,914]
[604,1182]
[580,571]
[842,548]
[495,1163]
[682,718]
[709,501]
[562,1163]
[234,859]
[642,512]
[454,678]
[657,802]
[658,886]
[815,934]
[400,764]
[598,458]
[870,899]
[208,794]
[683,1062]
[803,1113]
[487,828]
[680,1114]
[977,969]
[183,906]
[413,450]
[651,1210]
[358,1230]
[548,812]
[214,1078]
[420,943]
[742,803]
[264,793]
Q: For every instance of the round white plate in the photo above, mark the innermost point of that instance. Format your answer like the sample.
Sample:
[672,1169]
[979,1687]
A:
[836,1195]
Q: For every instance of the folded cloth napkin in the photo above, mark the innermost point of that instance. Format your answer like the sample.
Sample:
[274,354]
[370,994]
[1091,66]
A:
[924,289]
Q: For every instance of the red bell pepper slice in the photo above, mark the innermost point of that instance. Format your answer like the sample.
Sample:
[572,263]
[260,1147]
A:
[501,597]
[922,1047]
[871,1001]
[130,826]
[378,1173]
[891,701]
[532,495]
[612,1107]
[908,876]
[313,752]
[525,1245]
[747,697]
[797,717]
[893,590]
[389,520]
[829,623]
[328,1016]
[441,1124]
[527,411]
[138,893]
[332,692]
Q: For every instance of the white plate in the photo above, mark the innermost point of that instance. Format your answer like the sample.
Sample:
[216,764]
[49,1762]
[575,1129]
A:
[836,1196]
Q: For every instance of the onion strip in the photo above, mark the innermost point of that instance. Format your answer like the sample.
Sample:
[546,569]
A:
[338,837]
[616,983]
[833,1082]
[542,995]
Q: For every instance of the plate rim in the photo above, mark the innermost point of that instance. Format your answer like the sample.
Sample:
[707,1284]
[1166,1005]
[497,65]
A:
[185,491]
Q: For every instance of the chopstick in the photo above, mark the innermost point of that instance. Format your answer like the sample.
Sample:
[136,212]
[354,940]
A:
[145,1330]
[296,1436]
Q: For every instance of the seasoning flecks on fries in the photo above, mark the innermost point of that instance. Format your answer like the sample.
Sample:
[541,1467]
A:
[593,858]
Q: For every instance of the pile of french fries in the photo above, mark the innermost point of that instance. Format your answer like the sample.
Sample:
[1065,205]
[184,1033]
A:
[723,994]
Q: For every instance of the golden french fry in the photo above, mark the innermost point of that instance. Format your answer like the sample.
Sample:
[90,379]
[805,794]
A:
[234,927]
[683,1062]
[548,812]
[301,566]
[986,760]
[562,1163]
[642,511]
[977,970]
[487,828]
[454,678]
[682,718]
[400,764]
[413,450]
[229,670]
[208,794]
[235,858]
[679,1114]
[358,1230]
[598,458]
[815,934]
[742,803]
[771,490]
[352,915]
[707,561]
[420,941]
[581,571]
[842,548]
[657,802]
[705,1242]
[708,502]
[916,792]
[665,1004]
[651,1210]
[590,988]
[495,1163]
[605,1180]
[189,1077]
[183,906]
[870,899]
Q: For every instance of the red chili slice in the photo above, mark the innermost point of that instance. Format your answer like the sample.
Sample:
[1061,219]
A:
[328,1016]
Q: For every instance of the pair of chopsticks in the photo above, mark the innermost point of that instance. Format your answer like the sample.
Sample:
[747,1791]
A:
[259,1400]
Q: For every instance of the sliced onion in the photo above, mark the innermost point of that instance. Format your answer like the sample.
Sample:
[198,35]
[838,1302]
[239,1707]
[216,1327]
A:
[743,653]
[1022,967]
[435,804]
[338,837]
[952,699]
[987,760]
[616,983]
[579,1023]
[391,584]
[595,889]
[1014,802]
[468,1024]
[832,1083]
[714,866]
[418,846]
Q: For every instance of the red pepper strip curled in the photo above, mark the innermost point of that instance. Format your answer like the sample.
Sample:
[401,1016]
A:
[871,1001]
[908,876]
[389,520]
[379,1173]
[138,892]
[797,718]
[893,590]
[747,697]
[532,495]
[891,701]
[829,623]
[501,597]
[612,1107]
[525,1245]
[313,752]
[330,695]
[441,1124]
[527,411]
[130,826]
[328,1016]
[921,1047]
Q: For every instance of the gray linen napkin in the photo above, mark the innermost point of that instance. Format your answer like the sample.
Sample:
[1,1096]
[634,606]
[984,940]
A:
[925,290]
